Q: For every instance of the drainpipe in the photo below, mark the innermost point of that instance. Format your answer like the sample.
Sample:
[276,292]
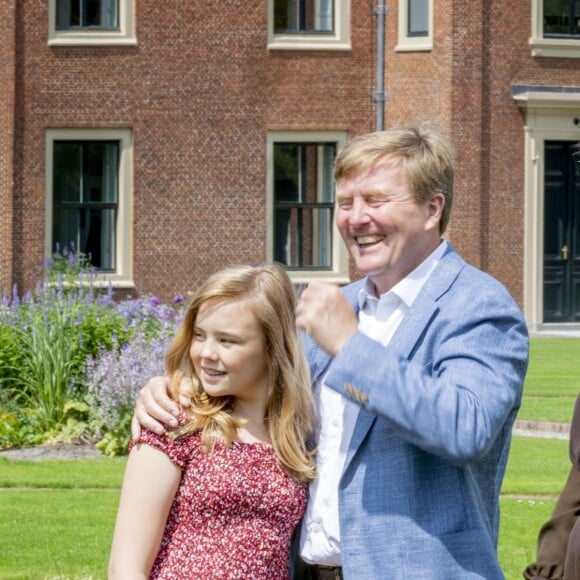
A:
[380,96]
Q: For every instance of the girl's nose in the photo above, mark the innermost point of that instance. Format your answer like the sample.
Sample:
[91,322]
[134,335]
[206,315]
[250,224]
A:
[208,350]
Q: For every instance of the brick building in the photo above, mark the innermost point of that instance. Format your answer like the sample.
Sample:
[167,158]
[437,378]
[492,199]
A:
[167,139]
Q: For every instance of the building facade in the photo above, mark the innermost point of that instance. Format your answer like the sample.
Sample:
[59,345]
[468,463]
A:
[168,139]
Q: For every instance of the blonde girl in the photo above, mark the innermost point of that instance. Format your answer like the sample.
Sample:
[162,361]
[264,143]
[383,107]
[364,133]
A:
[220,496]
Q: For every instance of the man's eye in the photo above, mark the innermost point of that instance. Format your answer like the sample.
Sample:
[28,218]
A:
[345,204]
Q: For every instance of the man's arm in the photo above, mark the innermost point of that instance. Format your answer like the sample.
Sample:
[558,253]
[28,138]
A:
[149,487]
[454,392]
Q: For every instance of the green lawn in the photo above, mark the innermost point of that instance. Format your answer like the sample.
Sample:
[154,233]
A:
[57,533]
[57,517]
[553,380]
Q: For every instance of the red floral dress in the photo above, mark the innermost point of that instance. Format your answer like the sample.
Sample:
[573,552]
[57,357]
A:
[233,514]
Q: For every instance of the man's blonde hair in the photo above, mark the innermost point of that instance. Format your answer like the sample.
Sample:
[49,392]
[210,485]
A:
[426,155]
[267,292]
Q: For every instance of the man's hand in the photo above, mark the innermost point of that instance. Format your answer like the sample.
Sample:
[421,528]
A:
[156,410]
[325,314]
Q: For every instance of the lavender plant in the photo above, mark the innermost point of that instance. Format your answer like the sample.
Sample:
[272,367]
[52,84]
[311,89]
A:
[72,358]
[116,375]
[41,376]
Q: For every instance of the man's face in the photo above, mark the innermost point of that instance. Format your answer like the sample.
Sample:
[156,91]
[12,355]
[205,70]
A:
[385,230]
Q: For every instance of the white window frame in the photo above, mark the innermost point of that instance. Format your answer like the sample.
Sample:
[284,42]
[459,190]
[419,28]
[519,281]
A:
[339,40]
[94,37]
[406,43]
[122,277]
[550,47]
[338,273]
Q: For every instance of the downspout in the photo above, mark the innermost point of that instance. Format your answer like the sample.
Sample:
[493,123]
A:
[380,96]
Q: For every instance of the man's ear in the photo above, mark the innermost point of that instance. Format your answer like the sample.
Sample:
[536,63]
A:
[435,209]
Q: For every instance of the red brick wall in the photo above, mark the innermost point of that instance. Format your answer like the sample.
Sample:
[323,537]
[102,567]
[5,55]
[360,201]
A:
[200,91]
[7,69]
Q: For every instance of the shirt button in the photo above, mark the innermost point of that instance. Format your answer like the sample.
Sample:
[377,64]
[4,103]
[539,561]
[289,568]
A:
[335,422]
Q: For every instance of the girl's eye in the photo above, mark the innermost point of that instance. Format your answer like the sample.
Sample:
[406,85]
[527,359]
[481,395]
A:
[228,341]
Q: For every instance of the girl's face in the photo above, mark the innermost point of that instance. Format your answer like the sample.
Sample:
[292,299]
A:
[228,352]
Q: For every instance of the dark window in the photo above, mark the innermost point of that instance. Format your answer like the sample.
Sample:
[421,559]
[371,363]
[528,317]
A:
[562,18]
[303,204]
[100,14]
[85,198]
[303,16]
[418,15]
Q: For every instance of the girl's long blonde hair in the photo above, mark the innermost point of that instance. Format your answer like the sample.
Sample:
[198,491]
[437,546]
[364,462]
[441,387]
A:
[267,292]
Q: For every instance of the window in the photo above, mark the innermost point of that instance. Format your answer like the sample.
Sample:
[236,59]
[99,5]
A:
[562,18]
[555,28]
[88,201]
[418,18]
[90,22]
[302,234]
[308,24]
[85,198]
[87,14]
[415,25]
[303,16]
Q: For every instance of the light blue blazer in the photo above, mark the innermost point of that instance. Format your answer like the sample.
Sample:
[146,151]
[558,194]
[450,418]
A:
[419,494]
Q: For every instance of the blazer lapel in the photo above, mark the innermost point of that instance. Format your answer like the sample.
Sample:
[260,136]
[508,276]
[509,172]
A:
[425,307]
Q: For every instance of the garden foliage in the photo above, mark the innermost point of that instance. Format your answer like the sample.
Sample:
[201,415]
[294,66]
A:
[72,358]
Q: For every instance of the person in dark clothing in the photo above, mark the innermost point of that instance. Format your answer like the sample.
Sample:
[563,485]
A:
[558,550]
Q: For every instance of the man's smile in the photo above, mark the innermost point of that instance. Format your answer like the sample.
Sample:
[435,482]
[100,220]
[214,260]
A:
[369,240]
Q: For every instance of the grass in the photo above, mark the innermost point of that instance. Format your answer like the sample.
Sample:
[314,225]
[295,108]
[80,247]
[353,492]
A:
[536,467]
[521,520]
[58,516]
[536,472]
[553,380]
[100,473]
[57,533]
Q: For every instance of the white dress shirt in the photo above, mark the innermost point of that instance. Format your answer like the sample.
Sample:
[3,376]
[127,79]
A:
[379,319]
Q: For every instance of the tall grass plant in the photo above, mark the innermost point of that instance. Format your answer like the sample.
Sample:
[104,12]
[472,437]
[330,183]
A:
[71,357]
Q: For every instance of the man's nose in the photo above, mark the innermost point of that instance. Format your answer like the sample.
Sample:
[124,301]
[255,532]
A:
[359,212]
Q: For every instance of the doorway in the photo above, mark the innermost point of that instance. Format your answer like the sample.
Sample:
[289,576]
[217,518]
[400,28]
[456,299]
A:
[561,266]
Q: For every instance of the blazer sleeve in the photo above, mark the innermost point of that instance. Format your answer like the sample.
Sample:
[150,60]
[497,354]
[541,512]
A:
[453,391]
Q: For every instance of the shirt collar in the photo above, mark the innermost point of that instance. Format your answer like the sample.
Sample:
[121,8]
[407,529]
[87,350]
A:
[410,286]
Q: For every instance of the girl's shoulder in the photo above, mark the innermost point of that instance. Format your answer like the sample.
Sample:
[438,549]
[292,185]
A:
[180,449]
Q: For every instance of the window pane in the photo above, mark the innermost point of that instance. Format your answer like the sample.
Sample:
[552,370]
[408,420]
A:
[300,16]
[303,204]
[68,13]
[101,172]
[67,174]
[85,194]
[91,231]
[418,18]
[562,17]
[87,14]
